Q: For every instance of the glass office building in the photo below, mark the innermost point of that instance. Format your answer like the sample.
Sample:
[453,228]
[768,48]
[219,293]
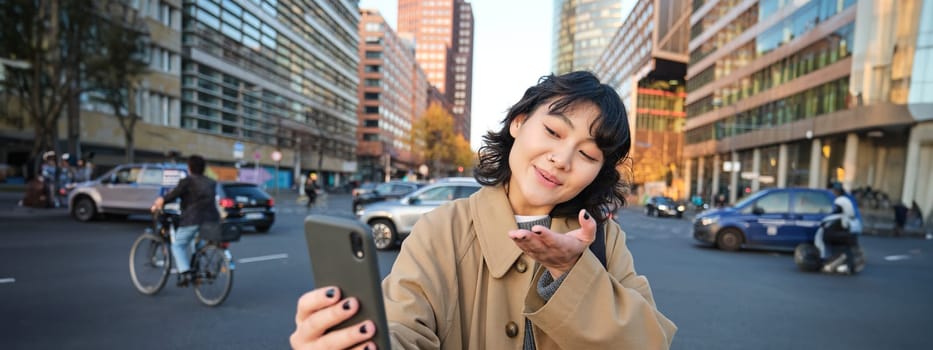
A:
[582,31]
[810,93]
[646,62]
[278,74]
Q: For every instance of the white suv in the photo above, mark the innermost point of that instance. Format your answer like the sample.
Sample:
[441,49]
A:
[127,189]
[392,221]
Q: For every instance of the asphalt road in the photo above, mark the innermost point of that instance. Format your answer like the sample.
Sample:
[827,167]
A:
[65,284]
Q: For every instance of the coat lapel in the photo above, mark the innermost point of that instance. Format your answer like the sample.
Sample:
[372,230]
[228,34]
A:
[493,219]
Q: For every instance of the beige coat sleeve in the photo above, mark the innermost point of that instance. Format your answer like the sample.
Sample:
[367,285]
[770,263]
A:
[418,288]
[600,308]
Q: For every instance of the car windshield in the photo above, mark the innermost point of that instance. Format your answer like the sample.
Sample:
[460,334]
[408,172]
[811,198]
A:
[665,200]
[748,199]
[245,190]
[384,188]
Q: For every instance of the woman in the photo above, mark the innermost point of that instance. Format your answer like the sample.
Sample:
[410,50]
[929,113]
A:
[509,268]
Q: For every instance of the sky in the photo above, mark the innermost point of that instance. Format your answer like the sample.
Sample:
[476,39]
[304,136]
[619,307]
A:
[511,50]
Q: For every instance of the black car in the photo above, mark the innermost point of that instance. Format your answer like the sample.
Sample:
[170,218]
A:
[664,206]
[246,204]
[385,191]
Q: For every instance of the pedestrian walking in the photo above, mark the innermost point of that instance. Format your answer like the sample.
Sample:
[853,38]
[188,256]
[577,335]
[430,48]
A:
[311,190]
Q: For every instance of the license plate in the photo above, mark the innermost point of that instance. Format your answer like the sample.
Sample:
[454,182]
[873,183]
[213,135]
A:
[253,216]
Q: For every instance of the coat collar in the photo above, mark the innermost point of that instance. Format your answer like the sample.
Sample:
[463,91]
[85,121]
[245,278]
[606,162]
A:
[493,218]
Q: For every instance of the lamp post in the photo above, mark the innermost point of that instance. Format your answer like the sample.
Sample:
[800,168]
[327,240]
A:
[276,156]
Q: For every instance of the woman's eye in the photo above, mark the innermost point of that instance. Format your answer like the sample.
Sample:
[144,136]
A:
[549,131]
[587,156]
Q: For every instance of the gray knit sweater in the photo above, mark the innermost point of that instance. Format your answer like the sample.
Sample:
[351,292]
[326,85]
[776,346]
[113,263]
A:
[547,286]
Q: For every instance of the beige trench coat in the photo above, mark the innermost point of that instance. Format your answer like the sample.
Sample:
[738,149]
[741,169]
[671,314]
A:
[460,283]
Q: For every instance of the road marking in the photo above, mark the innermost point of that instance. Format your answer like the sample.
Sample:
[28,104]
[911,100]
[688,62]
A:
[263,258]
[896,257]
[7,280]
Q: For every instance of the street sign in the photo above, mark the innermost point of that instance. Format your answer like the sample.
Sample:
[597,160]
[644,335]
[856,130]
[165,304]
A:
[257,155]
[276,156]
[238,150]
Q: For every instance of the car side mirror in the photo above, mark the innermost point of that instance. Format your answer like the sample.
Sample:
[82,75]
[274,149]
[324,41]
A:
[757,210]
[107,180]
[413,200]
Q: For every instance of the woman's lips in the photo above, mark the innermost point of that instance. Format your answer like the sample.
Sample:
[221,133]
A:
[547,178]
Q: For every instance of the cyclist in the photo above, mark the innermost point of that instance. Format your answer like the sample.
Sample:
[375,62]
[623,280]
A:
[197,193]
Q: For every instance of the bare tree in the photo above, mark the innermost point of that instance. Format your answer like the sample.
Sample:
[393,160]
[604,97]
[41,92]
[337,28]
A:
[123,61]
[32,33]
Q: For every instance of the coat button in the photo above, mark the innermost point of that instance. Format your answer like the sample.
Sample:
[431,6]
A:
[521,266]
[511,329]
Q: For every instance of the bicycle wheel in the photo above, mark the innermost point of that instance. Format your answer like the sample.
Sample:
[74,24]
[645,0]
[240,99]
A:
[150,262]
[214,276]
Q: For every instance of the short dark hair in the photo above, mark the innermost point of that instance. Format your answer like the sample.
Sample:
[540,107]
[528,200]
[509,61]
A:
[610,129]
[196,164]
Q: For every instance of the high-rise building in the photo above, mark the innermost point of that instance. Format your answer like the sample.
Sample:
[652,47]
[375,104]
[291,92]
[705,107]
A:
[243,78]
[582,29]
[279,73]
[393,91]
[810,93]
[646,61]
[442,31]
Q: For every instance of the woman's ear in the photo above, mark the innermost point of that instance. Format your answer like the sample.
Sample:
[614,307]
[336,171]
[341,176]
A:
[517,124]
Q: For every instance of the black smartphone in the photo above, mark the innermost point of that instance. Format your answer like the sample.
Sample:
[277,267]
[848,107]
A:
[343,254]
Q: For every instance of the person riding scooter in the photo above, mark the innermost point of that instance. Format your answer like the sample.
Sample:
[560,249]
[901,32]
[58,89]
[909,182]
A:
[838,232]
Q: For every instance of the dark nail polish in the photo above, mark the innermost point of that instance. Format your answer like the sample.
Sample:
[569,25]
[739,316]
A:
[346,305]
[537,232]
[586,215]
[330,293]
[366,347]
[363,329]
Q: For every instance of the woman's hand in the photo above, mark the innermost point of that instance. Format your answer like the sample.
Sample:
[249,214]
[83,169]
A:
[555,251]
[322,309]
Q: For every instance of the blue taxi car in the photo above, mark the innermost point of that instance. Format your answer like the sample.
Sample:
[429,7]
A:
[777,218]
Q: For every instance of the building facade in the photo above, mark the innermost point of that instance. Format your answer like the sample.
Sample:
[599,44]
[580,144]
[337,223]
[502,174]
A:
[442,31]
[810,93]
[278,74]
[393,92]
[582,31]
[258,76]
[646,62]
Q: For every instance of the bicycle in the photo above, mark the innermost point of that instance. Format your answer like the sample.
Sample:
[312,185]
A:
[151,261]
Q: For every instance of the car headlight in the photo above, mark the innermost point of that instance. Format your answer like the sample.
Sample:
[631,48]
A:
[681,208]
[359,213]
[709,220]
[662,207]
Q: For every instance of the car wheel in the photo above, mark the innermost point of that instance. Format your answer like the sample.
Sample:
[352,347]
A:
[84,209]
[729,240]
[383,233]
[807,257]
[647,211]
[263,228]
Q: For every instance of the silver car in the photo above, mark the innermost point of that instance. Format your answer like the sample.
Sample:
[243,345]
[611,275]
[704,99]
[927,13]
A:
[127,189]
[392,221]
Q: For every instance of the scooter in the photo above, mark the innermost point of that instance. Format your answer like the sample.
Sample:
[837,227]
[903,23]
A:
[807,255]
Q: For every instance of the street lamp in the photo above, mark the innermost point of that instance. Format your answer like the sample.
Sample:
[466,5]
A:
[276,156]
